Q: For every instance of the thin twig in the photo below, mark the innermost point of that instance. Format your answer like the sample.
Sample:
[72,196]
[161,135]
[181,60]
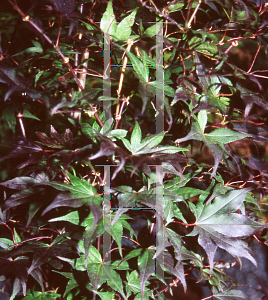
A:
[13,238]
[58,38]
[257,52]
[83,74]
[183,66]
[259,71]
[20,116]
[165,16]
[260,76]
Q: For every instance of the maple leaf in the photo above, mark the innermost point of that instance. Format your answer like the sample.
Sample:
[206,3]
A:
[219,226]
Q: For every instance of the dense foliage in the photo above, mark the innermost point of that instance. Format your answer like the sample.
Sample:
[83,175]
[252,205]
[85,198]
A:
[98,201]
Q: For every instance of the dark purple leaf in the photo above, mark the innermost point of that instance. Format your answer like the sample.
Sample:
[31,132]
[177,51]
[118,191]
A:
[255,130]
[21,183]
[16,268]
[21,197]
[106,149]
[68,136]
[175,268]
[55,249]
[8,75]
[56,136]
[258,165]
[37,275]
[64,6]
[23,148]
[46,141]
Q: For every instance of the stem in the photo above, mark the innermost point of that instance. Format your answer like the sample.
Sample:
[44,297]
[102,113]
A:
[32,239]
[58,38]
[13,238]
[125,237]
[186,224]
[209,297]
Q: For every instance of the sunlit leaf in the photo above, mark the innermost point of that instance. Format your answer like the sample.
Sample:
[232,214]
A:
[135,139]
[108,21]
[124,27]
[224,135]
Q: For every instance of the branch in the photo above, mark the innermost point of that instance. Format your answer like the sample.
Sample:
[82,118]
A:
[65,59]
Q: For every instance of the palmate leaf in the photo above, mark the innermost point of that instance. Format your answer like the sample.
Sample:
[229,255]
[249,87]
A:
[197,134]
[211,85]
[43,252]
[214,140]
[22,149]
[127,199]
[100,272]
[133,283]
[80,192]
[17,268]
[219,226]
[148,145]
